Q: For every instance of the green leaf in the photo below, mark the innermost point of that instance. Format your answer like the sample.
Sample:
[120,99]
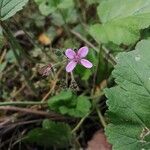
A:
[129,101]
[83,105]
[62,96]
[8,8]
[70,105]
[121,20]
[65,4]
[52,134]
[47,7]
[69,16]
[90,2]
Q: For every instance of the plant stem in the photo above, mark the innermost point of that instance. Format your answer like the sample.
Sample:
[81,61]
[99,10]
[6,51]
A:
[80,123]
[96,71]
[102,120]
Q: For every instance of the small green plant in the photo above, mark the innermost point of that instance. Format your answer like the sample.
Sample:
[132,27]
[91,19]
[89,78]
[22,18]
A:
[67,103]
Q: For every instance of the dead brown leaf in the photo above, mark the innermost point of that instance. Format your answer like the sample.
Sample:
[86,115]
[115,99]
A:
[99,142]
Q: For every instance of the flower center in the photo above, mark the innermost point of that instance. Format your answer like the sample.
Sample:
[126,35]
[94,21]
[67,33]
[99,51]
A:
[77,58]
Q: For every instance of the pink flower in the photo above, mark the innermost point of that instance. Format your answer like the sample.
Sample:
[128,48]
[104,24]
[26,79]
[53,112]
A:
[77,58]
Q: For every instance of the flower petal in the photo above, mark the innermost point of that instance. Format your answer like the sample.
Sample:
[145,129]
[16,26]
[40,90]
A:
[70,53]
[71,65]
[83,51]
[86,63]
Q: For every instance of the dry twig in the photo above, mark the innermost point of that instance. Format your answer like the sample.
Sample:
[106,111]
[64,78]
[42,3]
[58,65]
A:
[31,111]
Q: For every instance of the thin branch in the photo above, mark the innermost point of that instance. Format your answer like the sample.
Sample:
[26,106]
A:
[31,111]
[20,123]
[21,103]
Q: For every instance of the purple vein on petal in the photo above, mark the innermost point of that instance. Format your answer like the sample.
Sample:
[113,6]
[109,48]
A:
[70,53]
[83,51]
[86,63]
[70,66]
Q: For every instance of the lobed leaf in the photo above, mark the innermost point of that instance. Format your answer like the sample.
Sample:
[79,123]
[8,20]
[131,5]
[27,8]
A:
[129,101]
